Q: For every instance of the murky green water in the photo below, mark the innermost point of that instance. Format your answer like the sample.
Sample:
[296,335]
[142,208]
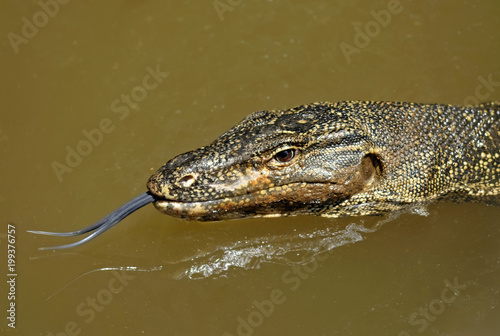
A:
[148,80]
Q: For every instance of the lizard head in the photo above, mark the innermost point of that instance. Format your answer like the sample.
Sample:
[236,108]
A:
[273,163]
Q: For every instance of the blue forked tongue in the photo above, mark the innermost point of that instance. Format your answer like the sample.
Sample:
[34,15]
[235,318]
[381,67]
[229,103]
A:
[103,224]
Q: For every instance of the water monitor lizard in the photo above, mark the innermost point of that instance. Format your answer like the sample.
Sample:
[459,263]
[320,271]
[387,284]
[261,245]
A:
[343,159]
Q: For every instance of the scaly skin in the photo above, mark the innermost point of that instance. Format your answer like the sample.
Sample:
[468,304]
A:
[342,159]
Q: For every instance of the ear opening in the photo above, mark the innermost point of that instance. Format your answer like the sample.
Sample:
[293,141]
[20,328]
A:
[372,168]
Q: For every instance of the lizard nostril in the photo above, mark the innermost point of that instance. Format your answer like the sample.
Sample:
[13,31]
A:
[187,180]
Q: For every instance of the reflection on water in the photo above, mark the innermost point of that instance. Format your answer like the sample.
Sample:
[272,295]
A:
[291,249]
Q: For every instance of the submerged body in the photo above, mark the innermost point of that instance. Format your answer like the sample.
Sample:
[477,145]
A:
[342,159]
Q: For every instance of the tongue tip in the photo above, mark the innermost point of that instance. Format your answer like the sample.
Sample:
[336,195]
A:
[104,224]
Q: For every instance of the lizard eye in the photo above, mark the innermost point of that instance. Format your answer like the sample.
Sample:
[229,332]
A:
[285,155]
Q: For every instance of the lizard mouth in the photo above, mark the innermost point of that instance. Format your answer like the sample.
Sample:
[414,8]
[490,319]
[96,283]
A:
[263,200]
[284,200]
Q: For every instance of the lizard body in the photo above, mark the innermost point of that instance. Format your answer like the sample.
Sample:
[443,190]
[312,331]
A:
[343,159]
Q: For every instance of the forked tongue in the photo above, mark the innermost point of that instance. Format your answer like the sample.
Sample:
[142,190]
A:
[103,224]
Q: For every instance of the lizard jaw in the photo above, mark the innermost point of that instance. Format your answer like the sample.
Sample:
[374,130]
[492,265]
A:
[286,200]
